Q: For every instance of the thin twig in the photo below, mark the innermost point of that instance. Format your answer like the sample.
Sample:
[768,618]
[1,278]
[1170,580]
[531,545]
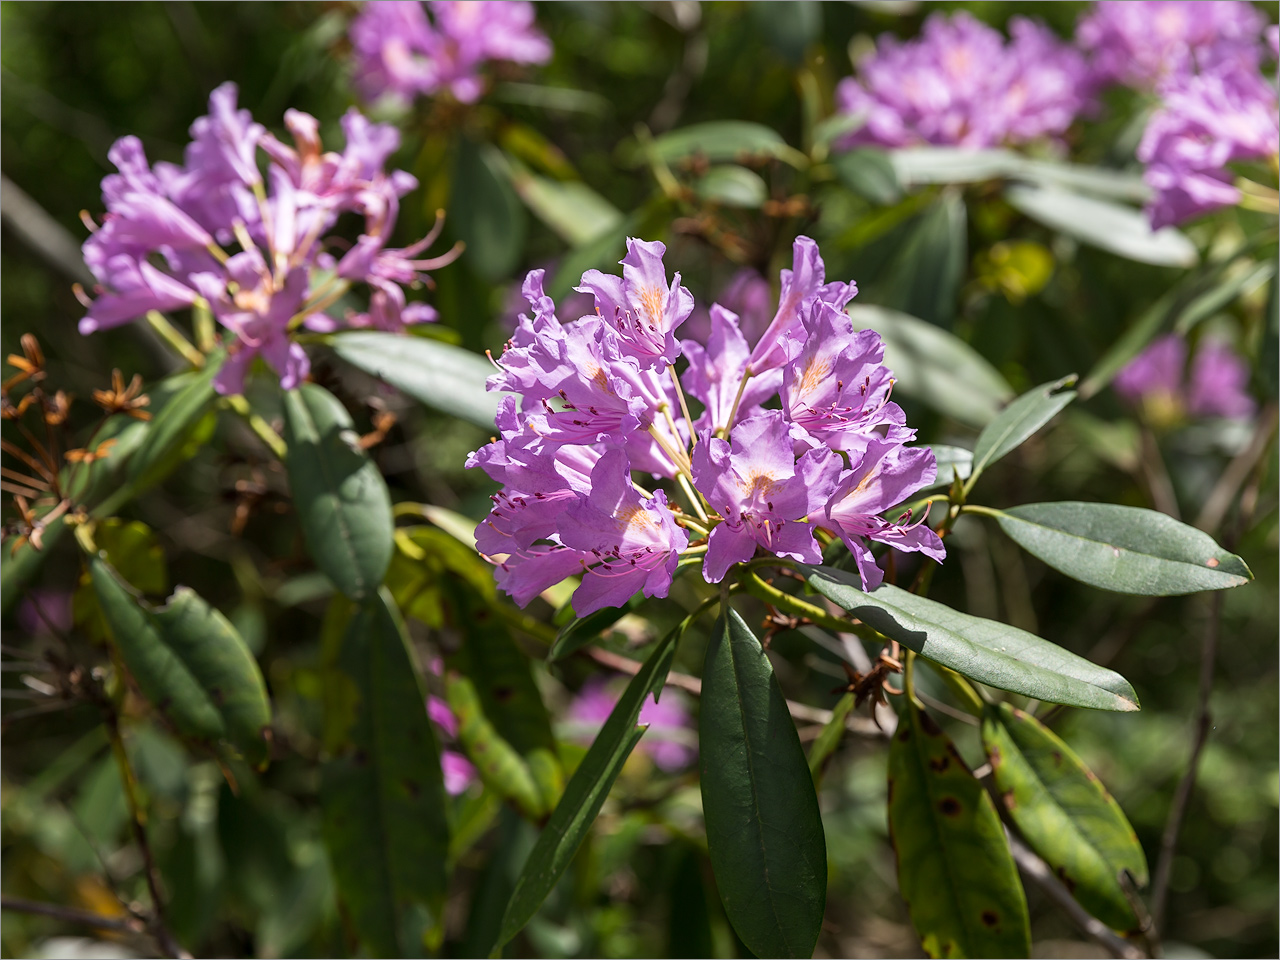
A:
[71,914]
[1182,798]
[1039,873]
[1157,476]
[1224,491]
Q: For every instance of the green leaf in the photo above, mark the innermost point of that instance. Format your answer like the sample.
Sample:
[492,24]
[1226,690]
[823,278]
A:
[1213,300]
[189,662]
[341,498]
[584,630]
[439,375]
[925,280]
[485,211]
[1124,549]
[723,141]
[935,366]
[764,830]
[602,251]
[497,763]
[1064,813]
[134,553]
[829,737]
[870,174]
[382,792]
[1113,227]
[952,462]
[954,868]
[984,650]
[1095,181]
[732,186]
[1018,421]
[586,791]
[572,209]
[921,165]
[164,445]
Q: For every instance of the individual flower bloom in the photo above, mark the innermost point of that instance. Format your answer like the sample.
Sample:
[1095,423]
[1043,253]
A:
[1207,121]
[442,716]
[764,494]
[224,143]
[885,476]
[639,305]
[670,741]
[1142,42]
[1218,383]
[131,289]
[1154,377]
[459,774]
[631,543]
[716,371]
[388,311]
[259,315]
[959,85]
[837,388]
[805,279]
[390,43]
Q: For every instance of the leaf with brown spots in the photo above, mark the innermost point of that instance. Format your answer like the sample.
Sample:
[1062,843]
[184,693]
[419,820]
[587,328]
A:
[954,867]
[1064,813]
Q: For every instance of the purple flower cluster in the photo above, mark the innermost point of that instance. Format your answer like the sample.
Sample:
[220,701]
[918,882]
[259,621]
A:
[253,250]
[1208,120]
[960,84]
[1143,42]
[599,397]
[1216,385]
[399,53]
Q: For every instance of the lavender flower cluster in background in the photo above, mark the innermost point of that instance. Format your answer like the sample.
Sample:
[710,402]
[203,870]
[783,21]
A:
[1158,382]
[599,398]
[215,233]
[400,53]
[960,84]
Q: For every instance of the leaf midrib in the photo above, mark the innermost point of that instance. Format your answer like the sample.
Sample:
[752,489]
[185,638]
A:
[1112,546]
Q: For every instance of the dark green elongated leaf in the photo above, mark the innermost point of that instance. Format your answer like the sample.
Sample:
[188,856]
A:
[1064,813]
[732,186]
[485,211]
[190,662]
[1113,227]
[789,27]
[829,738]
[479,644]
[870,174]
[722,141]
[764,830]
[926,276]
[382,791]
[600,252]
[1018,421]
[172,425]
[935,366]
[499,766]
[984,650]
[341,498]
[955,871]
[584,630]
[1125,549]
[586,791]
[215,653]
[439,375]
[569,207]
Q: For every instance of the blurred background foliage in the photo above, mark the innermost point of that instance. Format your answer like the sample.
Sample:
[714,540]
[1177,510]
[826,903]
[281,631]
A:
[554,174]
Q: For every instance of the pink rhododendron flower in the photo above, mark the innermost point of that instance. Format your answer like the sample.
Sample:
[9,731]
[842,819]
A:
[1158,381]
[670,739]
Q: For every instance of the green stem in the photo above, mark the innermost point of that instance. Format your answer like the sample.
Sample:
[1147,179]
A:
[970,700]
[240,405]
[173,336]
[752,583]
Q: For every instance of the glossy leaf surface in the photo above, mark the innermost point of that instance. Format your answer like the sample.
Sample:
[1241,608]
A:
[1018,421]
[1124,549]
[990,652]
[955,871]
[764,830]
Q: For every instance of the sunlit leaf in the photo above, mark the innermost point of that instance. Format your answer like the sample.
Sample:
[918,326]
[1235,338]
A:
[1018,421]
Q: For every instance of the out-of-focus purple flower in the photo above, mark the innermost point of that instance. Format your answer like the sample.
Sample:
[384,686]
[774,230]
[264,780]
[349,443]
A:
[1156,380]
[669,741]
[217,233]
[1273,40]
[458,772]
[886,474]
[1207,121]
[1143,42]
[959,84]
[399,53]
[597,402]
[747,295]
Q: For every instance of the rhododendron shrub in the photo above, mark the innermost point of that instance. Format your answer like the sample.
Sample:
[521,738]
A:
[647,479]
